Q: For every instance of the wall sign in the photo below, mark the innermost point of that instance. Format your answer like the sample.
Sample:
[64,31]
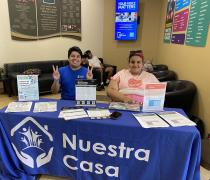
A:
[39,19]
[190,22]
[126,19]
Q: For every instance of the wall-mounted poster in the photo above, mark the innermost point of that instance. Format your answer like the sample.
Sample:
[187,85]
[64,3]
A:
[30,19]
[126,19]
[48,18]
[179,27]
[190,23]
[23,19]
[198,24]
[71,18]
[169,21]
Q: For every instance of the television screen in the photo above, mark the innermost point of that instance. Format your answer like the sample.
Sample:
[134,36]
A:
[126,19]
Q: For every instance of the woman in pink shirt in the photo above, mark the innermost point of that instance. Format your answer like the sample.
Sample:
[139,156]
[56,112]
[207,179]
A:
[128,84]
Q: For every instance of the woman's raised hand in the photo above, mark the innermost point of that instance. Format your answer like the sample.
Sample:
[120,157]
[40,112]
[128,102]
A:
[56,74]
[89,74]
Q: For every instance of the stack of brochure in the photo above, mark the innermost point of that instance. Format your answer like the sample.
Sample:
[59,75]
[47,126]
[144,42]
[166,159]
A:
[45,106]
[163,119]
[176,119]
[73,113]
[124,106]
[18,107]
[150,120]
[98,113]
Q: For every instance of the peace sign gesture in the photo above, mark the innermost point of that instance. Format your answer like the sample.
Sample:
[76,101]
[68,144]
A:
[56,74]
[89,74]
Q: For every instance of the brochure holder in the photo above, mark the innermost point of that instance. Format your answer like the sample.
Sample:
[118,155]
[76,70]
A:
[154,97]
[28,89]
[85,92]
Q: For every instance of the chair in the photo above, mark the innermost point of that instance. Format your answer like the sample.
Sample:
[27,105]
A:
[180,94]
[165,75]
[160,67]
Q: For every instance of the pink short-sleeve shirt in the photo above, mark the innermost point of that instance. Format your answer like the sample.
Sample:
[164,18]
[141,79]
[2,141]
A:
[133,86]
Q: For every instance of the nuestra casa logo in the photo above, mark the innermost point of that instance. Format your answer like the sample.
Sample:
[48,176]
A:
[33,137]
[34,147]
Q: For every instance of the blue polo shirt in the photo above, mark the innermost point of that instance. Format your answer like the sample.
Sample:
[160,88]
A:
[67,81]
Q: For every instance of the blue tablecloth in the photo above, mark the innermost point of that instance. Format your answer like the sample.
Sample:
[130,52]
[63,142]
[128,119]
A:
[85,149]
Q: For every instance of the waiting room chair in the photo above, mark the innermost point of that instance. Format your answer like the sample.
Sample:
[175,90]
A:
[165,75]
[160,67]
[180,94]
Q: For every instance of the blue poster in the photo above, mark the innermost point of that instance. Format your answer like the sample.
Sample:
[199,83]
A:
[126,19]
[180,4]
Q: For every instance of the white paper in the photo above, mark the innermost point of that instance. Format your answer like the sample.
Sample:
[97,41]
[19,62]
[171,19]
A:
[73,114]
[85,93]
[176,119]
[154,97]
[19,107]
[28,89]
[45,106]
[124,106]
[150,120]
[98,113]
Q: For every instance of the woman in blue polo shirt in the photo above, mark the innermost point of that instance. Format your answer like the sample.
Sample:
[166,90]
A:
[64,77]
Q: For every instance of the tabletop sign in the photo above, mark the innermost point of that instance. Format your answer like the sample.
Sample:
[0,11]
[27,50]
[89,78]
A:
[154,97]
[85,92]
[28,89]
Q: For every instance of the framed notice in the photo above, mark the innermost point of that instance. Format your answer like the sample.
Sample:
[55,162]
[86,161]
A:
[28,89]
[85,92]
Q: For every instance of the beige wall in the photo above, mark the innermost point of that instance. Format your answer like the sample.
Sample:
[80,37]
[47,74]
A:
[56,47]
[116,52]
[190,63]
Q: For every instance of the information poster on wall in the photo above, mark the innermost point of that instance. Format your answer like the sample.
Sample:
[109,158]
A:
[39,19]
[190,23]
[198,24]
[169,21]
[126,19]
[48,18]
[28,89]
[23,19]
[71,18]
[180,21]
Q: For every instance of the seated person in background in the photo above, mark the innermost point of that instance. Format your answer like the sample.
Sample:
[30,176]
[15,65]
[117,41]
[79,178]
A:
[64,77]
[148,66]
[128,84]
[85,62]
[98,67]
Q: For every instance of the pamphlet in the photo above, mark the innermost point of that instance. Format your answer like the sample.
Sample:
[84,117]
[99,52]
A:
[73,114]
[176,119]
[45,106]
[28,89]
[124,106]
[85,92]
[98,113]
[150,120]
[154,97]
[19,107]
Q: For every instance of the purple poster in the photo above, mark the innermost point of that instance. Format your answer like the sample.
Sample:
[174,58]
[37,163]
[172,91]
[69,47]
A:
[178,38]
